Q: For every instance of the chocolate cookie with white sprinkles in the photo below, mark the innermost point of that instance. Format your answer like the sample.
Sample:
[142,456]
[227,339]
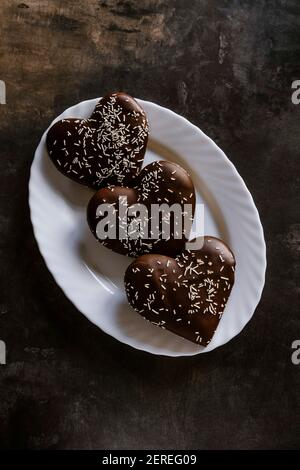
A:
[167,194]
[186,294]
[107,148]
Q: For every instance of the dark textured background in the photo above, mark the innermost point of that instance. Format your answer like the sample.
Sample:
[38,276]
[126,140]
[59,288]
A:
[228,67]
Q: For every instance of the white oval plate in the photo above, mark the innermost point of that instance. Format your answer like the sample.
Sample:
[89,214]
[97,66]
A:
[92,276]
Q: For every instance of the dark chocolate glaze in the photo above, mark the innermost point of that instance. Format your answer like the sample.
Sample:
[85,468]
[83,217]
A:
[187,294]
[108,148]
[158,183]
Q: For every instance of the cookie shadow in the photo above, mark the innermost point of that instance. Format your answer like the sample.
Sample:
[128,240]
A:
[102,263]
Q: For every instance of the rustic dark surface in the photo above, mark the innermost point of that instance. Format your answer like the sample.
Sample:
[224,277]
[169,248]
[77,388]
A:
[227,65]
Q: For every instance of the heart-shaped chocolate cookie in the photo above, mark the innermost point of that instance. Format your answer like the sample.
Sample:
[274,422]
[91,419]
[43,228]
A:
[187,294]
[108,148]
[157,216]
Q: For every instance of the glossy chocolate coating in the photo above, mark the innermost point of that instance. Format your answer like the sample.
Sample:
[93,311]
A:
[187,294]
[158,183]
[108,148]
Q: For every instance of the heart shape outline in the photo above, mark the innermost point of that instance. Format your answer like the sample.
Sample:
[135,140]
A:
[160,182]
[186,294]
[106,148]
